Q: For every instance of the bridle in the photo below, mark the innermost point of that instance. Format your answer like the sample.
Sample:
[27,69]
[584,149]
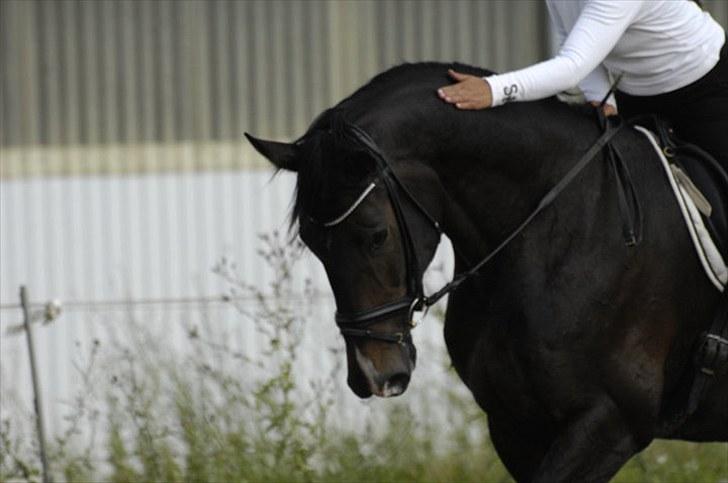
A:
[357,324]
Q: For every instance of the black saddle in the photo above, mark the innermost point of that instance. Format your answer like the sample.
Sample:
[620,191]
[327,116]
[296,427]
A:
[706,173]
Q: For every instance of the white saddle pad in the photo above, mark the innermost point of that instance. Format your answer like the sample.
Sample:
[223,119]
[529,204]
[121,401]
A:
[711,259]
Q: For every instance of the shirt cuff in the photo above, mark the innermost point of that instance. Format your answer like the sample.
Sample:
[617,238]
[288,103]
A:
[502,91]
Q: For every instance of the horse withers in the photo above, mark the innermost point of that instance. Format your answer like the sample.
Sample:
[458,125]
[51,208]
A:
[577,346]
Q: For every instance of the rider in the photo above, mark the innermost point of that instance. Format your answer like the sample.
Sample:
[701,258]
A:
[672,58]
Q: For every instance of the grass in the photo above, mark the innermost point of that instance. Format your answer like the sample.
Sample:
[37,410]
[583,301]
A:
[678,462]
[215,415]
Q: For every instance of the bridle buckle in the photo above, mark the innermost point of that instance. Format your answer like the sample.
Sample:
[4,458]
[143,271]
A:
[411,312]
[419,303]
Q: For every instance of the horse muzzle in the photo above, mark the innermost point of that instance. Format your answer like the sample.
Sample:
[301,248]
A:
[380,368]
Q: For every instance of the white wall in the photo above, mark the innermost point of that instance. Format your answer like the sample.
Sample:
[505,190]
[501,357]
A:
[92,242]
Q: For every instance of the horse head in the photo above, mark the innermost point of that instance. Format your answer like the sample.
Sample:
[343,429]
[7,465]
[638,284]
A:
[361,220]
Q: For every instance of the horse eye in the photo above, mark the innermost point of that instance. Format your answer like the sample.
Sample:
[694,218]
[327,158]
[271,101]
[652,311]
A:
[378,239]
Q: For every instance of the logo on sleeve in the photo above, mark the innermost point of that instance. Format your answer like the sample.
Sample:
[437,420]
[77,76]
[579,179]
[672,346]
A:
[510,93]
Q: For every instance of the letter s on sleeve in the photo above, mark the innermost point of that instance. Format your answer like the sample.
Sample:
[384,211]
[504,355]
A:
[510,93]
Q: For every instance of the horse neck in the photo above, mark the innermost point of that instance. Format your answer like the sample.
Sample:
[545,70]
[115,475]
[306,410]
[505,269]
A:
[494,166]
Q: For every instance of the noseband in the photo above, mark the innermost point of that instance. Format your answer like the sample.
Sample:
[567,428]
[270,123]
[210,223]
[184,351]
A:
[357,324]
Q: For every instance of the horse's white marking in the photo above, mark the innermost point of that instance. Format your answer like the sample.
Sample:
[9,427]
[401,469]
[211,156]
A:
[367,367]
[392,389]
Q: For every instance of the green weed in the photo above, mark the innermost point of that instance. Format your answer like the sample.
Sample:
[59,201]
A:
[213,414]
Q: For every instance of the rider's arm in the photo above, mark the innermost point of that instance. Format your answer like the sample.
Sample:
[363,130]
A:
[596,32]
[596,85]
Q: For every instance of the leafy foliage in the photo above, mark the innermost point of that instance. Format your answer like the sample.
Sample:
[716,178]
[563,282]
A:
[216,415]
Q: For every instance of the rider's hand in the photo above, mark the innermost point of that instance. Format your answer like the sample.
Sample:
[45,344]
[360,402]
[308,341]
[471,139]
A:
[469,92]
[608,109]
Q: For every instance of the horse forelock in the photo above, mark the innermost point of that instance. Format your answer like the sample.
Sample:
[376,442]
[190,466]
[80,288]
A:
[329,158]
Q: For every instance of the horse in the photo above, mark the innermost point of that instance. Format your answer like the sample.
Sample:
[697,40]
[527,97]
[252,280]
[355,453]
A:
[577,346]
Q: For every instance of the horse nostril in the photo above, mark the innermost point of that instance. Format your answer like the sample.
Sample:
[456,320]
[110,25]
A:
[396,385]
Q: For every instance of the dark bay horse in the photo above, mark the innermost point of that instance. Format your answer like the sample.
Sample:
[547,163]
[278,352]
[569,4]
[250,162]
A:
[578,347]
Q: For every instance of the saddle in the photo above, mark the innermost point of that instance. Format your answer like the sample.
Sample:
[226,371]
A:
[700,186]
[706,175]
[706,183]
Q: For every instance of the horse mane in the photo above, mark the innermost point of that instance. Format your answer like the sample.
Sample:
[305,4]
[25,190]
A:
[327,143]
[420,72]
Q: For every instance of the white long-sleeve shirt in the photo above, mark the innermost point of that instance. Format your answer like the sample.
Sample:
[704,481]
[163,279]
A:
[657,46]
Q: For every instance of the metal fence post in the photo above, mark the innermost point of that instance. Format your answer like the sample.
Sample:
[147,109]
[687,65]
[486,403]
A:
[36,383]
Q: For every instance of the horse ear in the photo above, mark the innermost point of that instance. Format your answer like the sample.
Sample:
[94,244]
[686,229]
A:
[282,155]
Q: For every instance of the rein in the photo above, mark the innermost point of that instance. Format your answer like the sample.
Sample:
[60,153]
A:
[356,324]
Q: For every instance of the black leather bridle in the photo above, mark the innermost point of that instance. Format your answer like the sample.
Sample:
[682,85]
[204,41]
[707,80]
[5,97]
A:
[358,324]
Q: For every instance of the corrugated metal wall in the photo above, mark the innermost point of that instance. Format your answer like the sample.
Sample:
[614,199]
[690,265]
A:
[82,72]
[91,73]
